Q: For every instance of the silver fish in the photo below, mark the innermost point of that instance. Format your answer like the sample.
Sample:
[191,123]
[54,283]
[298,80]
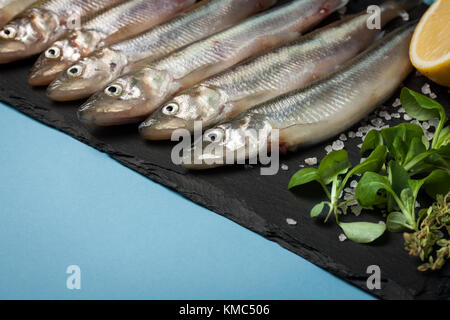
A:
[134,96]
[314,113]
[95,71]
[11,8]
[277,72]
[116,24]
[34,30]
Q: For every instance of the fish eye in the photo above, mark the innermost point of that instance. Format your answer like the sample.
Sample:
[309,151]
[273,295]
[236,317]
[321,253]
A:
[75,71]
[170,109]
[114,90]
[214,135]
[53,53]
[8,33]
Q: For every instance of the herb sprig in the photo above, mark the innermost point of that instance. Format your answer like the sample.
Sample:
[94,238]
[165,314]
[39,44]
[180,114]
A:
[398,156]
[434,222]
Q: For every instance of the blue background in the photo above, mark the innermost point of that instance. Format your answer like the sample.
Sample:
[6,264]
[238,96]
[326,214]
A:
[63,203]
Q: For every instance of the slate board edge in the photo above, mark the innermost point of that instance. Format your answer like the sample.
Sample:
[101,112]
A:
[390,289]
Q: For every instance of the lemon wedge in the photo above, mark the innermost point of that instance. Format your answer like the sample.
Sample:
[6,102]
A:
[430,44]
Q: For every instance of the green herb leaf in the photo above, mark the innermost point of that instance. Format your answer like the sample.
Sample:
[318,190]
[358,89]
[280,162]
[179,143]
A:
[396,222]
[419,106]
[303,176]
[415,148]
[438,182]
[373,163]
[399,177]
[439,158]
[444,137]
[367,190]
[398,138]
[318,208]
[362,232]
[333,164]
[372,140]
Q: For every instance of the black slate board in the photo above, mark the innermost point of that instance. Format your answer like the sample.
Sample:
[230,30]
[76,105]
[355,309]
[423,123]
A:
[259,203]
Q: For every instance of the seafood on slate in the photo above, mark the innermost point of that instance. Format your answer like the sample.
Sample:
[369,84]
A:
[34,30]
[11,8]
[134,96]
[314,113]
[116,24]
[282,70]
[95,71]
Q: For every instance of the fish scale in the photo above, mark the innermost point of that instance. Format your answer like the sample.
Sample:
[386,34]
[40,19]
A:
[143,91]
[287,68]
[118,23]
[231,43]
[185,29]
[37,27]
[314,113]
[65,8]
[368,78]
[204,19]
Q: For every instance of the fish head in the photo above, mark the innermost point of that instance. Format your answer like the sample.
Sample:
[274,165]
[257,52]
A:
[228,143]
[57,58]
[87,76]
[128,99]
[27,35]
[199,103]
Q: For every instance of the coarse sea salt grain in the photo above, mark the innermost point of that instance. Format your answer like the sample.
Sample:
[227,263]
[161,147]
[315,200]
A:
[377,122]
[425,125]
[291,222]
[395,115]
[356,210]
[433,95]
[429,135]
[343,137]
[342,237]
[328,149]
[407,117]
[338,145]
[404,15]
[311,161]
[353,203]
[284,167]
[397,103]
[359,145]
[381,222]
[426,88]
[353,184]
[385,115]
[401,110]
[348,196]
[351,134]
[434,122]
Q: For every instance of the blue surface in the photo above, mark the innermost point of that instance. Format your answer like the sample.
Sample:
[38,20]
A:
[63,203]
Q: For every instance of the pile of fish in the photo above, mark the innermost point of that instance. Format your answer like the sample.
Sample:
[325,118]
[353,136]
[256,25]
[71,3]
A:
[236,66]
